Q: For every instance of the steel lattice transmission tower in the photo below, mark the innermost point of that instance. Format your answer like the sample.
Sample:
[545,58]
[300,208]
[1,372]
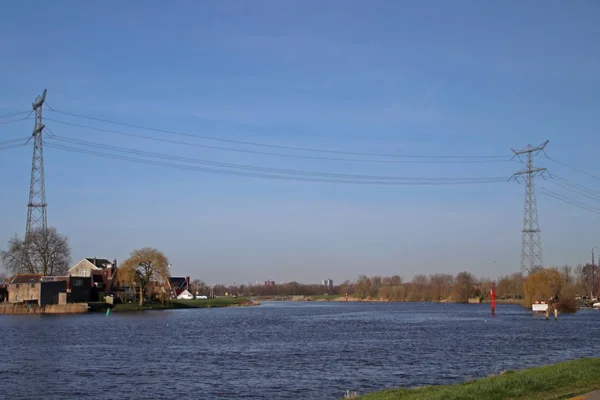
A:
[531,244]
[36,208]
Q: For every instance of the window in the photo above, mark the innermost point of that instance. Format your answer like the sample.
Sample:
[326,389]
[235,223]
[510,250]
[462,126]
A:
[33,285]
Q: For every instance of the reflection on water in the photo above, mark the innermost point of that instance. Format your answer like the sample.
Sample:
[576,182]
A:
[278,350]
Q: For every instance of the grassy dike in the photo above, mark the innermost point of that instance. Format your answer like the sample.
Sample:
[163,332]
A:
[557,381]
[179,304]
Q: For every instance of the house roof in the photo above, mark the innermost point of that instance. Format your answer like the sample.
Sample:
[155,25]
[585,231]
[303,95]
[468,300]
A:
[54,278]
[184,293]
[27,278]
[177,282]
[100,262]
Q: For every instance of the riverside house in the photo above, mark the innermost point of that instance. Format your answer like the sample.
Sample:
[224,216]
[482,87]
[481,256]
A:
[25,288]
[37,289]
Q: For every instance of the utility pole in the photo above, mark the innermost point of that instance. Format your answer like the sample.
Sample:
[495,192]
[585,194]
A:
[36,208]
[531,244]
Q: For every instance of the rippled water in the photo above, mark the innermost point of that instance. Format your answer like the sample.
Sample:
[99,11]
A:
[278,350]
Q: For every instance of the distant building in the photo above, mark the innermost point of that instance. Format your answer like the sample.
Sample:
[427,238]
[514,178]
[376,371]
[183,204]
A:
[269,283]
[328,283]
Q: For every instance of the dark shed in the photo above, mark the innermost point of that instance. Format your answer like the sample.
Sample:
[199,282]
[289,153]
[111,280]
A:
[81,288]
[49,291]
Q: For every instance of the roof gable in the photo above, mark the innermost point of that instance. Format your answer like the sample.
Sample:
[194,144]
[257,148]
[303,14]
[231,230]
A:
[100,262]
[83,265]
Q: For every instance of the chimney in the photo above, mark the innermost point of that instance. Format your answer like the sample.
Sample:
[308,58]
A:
[95,261]
[114,264]
[187,283]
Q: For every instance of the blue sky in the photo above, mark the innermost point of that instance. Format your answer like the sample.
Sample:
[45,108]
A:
[412,77]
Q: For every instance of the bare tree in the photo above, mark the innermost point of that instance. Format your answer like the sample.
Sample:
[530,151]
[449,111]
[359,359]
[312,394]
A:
[197,286]
[463,287]
[441,285]
[567,271]
[589,279]
[143,267]
[43,251]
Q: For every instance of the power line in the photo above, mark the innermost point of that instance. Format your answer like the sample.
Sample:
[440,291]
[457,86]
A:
[11,146]
[573,168]
[575,187]
[314,150]
[264,169]
[264,176]
[21,139]
[12,143]
[12,121]
[567,200]
[360,160]
[585,188]
[562,185]
[14,114]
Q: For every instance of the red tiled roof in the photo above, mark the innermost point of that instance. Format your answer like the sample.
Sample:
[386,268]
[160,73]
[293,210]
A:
[27,278]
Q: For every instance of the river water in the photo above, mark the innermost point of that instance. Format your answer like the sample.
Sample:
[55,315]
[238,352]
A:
[278,350]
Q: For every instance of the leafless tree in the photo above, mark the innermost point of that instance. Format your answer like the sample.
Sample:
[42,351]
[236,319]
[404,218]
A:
[463,287]
[589,279]
[43,251]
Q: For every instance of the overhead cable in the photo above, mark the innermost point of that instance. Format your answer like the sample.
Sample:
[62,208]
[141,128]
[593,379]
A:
[262,175]
[14,114]
[259,168]
[248,143]
[567,200]
[344,159]
[573,168]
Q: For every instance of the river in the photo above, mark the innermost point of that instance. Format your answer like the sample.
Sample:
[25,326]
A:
[278,350]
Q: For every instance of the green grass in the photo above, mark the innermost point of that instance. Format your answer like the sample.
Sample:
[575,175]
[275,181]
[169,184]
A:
[178,304]
[324,297]
[558,381]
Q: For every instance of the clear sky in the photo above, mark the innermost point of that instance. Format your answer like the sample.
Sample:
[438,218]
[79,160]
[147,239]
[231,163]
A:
[432,78]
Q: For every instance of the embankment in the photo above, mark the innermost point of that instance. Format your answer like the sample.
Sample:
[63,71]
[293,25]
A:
[557,381]
[180,304]
[10,308]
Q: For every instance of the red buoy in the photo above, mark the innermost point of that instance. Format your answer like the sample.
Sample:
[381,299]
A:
[493,292]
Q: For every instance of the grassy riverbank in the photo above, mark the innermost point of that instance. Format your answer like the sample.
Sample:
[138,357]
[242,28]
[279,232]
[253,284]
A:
[178,304]
[558,381]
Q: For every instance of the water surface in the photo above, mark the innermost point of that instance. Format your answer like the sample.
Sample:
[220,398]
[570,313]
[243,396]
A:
[279,350]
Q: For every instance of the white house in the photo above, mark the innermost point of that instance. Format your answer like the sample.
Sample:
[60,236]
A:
[185,295]
[85,267]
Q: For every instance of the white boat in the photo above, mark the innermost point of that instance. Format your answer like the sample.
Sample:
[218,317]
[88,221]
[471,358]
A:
[596,305]
[539,307]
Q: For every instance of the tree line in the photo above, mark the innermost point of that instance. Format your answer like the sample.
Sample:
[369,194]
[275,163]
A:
[563,286]
[46,252]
